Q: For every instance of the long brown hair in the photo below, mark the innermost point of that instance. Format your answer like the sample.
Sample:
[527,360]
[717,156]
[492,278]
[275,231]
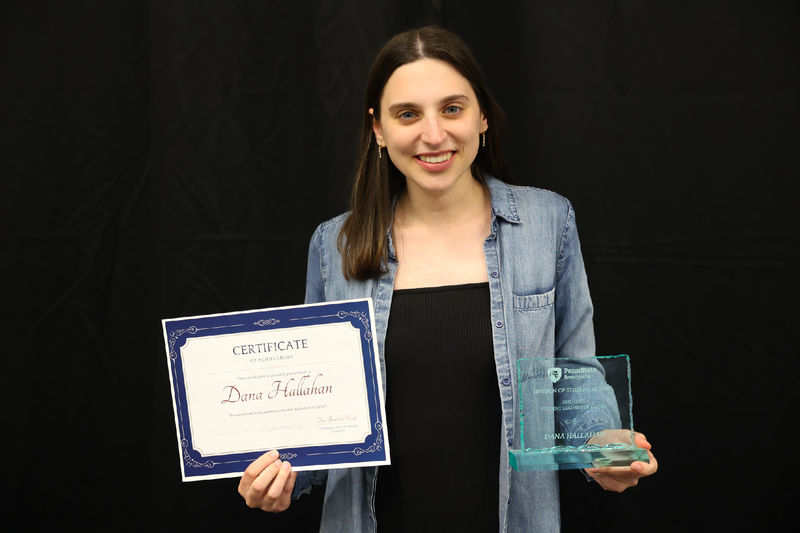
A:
[362,240]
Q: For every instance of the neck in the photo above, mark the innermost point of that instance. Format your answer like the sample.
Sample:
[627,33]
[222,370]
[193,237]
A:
[466,202]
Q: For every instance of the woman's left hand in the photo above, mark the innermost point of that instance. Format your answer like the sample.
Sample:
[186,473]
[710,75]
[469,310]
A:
[619,478]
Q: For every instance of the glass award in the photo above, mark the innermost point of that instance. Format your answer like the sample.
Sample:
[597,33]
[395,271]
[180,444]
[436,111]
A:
[575,413]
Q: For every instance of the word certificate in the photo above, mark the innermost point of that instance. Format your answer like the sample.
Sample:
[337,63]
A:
[303,380]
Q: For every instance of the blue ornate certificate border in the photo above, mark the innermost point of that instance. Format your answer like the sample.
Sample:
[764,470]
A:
[195,465]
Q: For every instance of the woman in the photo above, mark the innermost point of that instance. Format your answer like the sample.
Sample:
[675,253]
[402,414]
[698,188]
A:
[467,274]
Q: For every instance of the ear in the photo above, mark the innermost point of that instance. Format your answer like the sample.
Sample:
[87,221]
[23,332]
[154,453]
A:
[376,128]
[484,124]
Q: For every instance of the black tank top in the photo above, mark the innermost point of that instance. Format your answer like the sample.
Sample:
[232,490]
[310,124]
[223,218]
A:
[443,413]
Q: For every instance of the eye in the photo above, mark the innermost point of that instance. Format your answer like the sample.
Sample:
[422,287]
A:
[406,115]
[452,110]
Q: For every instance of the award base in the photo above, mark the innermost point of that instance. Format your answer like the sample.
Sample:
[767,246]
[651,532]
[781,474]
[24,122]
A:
[575,413]
[568,457]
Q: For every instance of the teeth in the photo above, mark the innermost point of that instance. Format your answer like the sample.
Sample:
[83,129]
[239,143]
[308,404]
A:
[438,159]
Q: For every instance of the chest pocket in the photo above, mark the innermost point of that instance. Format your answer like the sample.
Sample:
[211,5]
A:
[534,302]
[534,317]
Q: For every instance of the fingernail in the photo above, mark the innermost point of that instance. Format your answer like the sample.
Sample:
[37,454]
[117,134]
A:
[286,465]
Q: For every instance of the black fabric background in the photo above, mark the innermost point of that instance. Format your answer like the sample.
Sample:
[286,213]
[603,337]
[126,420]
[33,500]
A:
[162,159]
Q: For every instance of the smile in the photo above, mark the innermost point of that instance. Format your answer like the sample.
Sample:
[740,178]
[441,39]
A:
[441,158]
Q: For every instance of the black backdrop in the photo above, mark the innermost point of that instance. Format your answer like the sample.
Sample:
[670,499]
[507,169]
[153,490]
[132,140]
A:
[164,159]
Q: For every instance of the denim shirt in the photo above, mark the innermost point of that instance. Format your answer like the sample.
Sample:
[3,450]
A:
[540,306]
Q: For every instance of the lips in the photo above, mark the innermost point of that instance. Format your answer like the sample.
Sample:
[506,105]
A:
[435,162]
[441,158]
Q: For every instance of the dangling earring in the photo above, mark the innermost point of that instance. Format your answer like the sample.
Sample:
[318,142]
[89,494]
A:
[483,137]
[379,151]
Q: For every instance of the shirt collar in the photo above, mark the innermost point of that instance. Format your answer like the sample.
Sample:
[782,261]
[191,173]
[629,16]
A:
[504,205]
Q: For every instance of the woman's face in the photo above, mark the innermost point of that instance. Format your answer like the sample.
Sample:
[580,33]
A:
[430,124]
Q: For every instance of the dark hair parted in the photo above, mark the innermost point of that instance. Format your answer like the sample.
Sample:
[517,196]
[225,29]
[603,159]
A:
[362,240]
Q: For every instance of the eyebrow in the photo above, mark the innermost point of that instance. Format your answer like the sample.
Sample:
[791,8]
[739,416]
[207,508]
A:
[452,97]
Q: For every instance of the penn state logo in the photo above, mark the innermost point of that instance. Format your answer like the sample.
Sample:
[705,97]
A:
[554,374]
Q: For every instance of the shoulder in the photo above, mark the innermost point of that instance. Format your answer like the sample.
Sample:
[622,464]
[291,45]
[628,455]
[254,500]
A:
[534,197]
[327,233]
[522,203]
[324,261]
[325,278]
[332,224]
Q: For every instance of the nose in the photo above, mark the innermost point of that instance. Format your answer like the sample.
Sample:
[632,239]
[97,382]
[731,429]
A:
[432,131]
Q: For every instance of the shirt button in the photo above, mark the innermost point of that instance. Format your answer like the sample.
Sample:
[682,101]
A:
[506,382]
[495,274]
[499,323]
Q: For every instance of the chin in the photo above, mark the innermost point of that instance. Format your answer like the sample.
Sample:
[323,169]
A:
[436,184]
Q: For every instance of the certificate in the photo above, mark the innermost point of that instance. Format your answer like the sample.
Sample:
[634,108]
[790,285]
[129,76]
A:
[304,380]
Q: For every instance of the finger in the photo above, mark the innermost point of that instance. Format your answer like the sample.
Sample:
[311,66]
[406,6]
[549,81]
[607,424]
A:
[257,492]
[255,468]
[641,441]
[610,470]
[617,479]
[624,474]
[276,488]
[646,469]
[289,487]
[611,483]
[285,499]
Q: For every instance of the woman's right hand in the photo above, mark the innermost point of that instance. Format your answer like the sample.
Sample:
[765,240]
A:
[267,483]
